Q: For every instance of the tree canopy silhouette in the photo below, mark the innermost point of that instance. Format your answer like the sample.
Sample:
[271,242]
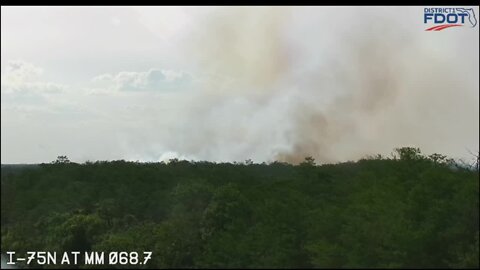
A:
[408,211]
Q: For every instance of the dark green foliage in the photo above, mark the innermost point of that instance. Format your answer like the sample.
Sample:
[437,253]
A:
[409,211]
[62,159]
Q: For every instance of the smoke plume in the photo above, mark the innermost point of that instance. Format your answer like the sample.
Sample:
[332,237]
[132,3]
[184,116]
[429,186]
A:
[332,83]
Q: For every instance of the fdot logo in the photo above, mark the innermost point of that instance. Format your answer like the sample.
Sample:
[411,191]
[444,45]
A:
[443,18]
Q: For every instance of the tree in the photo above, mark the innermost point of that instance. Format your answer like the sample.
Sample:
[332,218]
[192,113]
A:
[438,158]
[309,161]
[61,160]
[409,153]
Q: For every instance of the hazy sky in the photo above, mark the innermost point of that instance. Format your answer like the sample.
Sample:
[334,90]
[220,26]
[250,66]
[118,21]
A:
[225,84]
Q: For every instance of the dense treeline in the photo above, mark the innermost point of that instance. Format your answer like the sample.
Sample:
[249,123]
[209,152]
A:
[406,211]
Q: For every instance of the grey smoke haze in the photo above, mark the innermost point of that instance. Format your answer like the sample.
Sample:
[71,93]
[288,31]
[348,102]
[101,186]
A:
[266,84]
[368,92]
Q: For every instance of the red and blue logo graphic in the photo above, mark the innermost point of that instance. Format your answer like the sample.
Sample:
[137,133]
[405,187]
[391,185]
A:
[443,18]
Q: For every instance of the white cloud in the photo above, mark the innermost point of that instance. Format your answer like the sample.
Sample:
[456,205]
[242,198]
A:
[151,80]
[25,78]
[18,71]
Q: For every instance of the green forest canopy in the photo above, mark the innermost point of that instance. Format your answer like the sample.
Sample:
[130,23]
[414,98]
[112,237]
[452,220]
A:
[410,210]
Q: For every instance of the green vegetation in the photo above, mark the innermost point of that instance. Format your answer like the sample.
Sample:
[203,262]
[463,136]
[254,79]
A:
[405,211]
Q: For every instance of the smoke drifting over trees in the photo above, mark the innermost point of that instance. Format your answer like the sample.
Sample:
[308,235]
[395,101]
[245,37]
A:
[237,83]
[292,83]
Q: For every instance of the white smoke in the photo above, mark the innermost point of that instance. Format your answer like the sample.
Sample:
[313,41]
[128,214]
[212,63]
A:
[332,83]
